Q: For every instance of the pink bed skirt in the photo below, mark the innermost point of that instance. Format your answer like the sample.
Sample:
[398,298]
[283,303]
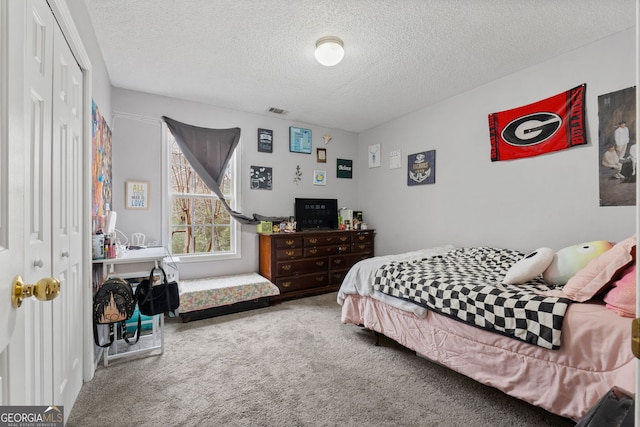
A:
[595,353]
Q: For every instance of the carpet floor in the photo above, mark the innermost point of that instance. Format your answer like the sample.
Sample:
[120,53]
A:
[290,364]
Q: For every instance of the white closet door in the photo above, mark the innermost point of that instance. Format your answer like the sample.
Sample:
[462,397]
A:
[66,211]
[38,88]
[41,194]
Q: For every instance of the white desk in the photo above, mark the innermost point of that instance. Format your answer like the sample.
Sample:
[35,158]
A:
[129,264]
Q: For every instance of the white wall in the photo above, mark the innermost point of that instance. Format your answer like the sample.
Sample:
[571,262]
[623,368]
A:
[550,200]
[137,156]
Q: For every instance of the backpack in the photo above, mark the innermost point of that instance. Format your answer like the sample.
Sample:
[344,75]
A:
[114,303]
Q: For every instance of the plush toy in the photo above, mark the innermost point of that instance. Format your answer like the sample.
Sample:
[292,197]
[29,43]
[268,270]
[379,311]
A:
[568,261]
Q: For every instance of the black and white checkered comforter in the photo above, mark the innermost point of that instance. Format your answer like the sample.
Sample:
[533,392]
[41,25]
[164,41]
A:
[465,284]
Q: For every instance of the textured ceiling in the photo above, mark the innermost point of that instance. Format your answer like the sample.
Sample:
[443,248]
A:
[401,55]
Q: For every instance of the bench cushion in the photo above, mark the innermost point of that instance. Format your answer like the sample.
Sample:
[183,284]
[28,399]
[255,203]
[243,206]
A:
[200,294]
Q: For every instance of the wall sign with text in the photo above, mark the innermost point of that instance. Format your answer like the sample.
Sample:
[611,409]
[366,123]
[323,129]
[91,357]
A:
[137,195]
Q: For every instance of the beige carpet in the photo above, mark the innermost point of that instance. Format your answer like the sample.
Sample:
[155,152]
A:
[292,364]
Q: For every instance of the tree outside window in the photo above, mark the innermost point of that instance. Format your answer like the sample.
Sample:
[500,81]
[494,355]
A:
[199,222]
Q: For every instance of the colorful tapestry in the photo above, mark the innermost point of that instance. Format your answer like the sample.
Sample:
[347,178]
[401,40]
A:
[101,168]
[553,124]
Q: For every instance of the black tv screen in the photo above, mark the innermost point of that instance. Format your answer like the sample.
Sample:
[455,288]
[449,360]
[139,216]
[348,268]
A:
[316,214]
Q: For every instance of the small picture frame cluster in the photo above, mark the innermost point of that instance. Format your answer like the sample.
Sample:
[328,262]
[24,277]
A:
[136,195]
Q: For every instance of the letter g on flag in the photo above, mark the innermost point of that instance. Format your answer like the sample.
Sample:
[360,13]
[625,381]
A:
[531,129]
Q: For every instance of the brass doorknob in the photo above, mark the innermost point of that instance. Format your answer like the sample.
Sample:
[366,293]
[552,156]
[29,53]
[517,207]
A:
[45,289]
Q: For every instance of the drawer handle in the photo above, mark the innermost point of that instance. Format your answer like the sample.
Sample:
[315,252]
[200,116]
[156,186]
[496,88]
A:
[337,261]
[290,253]
[362,237]
[319,263]
[313,240]
[329,239]
[286,284]
[361,246]
[289,242]
[286,267]
[313,251]
[344,238]
[319,278]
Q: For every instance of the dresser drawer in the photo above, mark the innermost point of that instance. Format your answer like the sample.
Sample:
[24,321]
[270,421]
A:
[326,250]
[288,242]
[337,276]
[345,261]
[288,268]
[363,247]
[329,239]
[302,282]
[289,253]
[363,236]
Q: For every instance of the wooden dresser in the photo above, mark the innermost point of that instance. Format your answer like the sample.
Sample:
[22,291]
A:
[312,262]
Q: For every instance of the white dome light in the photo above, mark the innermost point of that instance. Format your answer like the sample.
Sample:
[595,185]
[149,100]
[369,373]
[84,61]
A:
[329,51]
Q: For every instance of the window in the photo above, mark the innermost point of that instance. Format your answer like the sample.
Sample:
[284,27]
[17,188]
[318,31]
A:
[199,224]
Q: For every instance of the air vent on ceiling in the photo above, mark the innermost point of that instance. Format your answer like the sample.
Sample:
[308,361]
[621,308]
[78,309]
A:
[276,110]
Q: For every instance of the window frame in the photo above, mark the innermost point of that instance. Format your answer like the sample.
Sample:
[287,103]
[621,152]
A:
[236,228]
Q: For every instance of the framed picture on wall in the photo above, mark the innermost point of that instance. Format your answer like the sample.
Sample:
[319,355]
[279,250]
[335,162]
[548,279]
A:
[299,140]
[321,155]
[261,178]
[319,177]
[136,195]
[374,155]
[265,140]
[421,168]
[344,168]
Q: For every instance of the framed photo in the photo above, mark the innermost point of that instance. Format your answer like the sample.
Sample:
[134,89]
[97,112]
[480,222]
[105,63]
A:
[261,178]
[265,140]
[321,154]
[421,168]
[299,140]
[319,178]
[374,156]
[136,195]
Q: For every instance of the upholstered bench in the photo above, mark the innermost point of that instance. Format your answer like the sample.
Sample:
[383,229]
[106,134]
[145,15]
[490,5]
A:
[215,296]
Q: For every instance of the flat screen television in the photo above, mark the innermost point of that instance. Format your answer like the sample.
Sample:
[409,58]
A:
[316,214]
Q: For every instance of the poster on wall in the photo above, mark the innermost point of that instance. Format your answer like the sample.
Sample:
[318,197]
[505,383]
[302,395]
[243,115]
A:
[261,178]
[374,155]
[421,168]
[101,184]
[617,147]
[265,140]
[344,168]
[552,124]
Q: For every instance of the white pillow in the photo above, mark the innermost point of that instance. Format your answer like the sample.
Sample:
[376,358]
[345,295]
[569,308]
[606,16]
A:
[529,267]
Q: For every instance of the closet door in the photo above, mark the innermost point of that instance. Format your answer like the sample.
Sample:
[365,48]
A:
[41,358]
[66,210]
[37,349]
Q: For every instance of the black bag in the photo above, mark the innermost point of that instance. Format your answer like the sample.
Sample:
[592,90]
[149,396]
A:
[157,299]
[114,303]
[615,409]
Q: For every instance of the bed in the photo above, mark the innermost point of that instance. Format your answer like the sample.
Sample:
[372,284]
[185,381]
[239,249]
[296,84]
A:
[587,354]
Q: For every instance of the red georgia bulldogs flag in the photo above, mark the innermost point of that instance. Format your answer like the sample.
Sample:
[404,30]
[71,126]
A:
[552,124]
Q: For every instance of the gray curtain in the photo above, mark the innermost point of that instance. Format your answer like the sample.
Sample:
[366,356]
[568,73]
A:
[208,151]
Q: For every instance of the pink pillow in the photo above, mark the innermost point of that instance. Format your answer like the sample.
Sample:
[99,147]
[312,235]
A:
[622,298]
[599,272]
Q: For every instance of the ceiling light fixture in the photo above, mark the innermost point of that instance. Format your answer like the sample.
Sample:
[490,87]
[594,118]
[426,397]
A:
[329,51]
